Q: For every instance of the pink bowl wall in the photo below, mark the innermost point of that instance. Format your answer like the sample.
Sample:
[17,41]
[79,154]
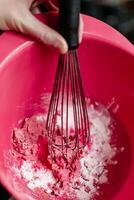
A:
[27,71]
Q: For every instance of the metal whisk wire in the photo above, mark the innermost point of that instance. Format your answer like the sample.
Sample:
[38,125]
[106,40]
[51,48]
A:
[67,110]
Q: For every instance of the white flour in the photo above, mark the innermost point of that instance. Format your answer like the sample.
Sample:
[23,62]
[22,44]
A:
[93,172]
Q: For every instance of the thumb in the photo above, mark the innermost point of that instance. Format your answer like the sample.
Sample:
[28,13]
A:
[31,26]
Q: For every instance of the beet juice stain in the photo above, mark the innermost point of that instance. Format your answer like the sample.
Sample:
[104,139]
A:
[43,151]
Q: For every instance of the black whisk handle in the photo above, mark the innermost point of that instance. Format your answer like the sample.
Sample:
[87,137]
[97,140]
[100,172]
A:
[69,21]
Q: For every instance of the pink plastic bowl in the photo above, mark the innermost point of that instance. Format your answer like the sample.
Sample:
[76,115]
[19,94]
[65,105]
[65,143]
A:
[27,70]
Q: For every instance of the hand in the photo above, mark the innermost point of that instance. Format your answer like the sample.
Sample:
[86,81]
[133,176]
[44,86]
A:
[18,15]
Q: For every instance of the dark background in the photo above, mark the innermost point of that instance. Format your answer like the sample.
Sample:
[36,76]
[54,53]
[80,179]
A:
[117,13]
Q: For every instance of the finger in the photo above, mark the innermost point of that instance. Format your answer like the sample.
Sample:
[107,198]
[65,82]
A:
[31,26]
[35,10]
[35,7]
[55,3]
[51,6]
[81,29]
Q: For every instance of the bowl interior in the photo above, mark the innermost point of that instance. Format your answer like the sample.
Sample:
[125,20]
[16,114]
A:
[107,74]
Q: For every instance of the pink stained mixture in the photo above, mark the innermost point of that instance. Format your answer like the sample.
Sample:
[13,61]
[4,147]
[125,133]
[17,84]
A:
[96,175]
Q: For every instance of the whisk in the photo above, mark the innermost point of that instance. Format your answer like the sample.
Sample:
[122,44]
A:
[67,121]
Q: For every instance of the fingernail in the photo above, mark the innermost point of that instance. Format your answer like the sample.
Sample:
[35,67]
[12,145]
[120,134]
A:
[61,46]
[64,48]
